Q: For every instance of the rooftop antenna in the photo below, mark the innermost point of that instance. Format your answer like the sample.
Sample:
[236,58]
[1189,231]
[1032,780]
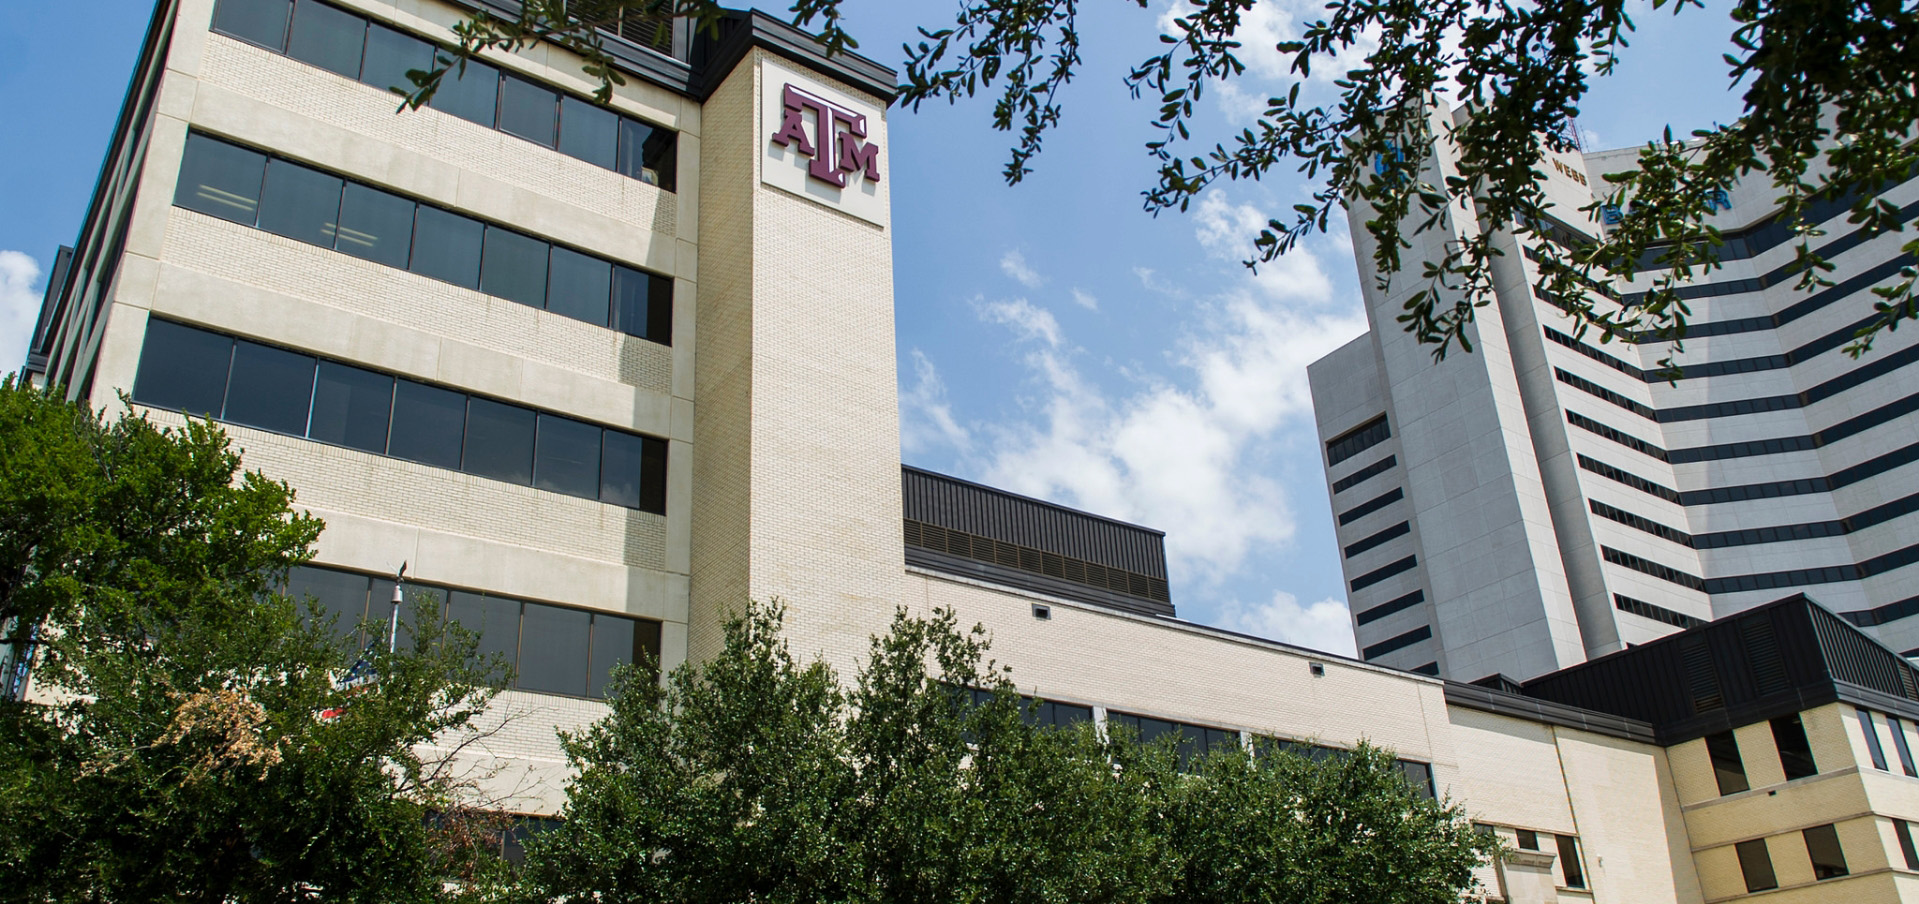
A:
[393,621]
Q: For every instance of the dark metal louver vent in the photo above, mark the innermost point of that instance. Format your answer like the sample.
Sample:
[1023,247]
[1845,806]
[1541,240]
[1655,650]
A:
[1762,654]
[649,25]
[1026,558]
[1701,680]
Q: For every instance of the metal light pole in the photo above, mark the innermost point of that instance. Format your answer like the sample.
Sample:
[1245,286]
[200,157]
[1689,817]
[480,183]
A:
[393,621]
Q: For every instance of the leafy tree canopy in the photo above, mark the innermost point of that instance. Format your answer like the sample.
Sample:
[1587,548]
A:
[1829,93]
[171,743]
[754,777]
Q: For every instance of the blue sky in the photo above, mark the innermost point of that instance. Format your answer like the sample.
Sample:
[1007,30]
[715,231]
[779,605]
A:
[1053,338]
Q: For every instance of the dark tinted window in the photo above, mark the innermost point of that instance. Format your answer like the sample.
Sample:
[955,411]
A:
[567,459]
[553,650]
[300,203]
[1904,830]
[338,593]
[499,441]
[615,642]
[470,95]
[578,286]
[376,225]
[351,407]
[1795,753]
[1899,745]
[589,132]
[647,153]
[220,179]
[1873,749]
[327,37]
[390,54]
[264,22]
[271,388]
[1828,859]
[1756,864]
[514,267]
[633,472]
[1727,767]
[494,619]
[1528,839]
[183,368]
[446,246]
[428,424]
[1572,872]
[643,304]
[528,110]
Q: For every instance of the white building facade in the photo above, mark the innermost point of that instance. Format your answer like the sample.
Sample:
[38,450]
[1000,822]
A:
[1545,499]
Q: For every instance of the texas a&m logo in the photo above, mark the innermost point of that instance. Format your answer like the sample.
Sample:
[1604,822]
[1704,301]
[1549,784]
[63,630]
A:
[838,144]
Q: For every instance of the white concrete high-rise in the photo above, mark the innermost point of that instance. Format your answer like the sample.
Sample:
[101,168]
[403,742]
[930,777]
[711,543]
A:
[1545,499]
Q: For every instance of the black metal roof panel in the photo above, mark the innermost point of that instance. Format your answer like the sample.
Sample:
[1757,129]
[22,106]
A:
[1781,658]
[977,531]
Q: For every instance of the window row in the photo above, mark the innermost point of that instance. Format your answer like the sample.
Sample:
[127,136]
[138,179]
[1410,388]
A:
[1640,523]
[198,372]
[1371,505]
[1789,739]
[1594,389]
[1376,540]
[1357,440]
[1397,604]
[1644,609]
[248,187]
[1822,848]
[1364,474]
[1392,644]
[549,649]
[349,44]
[1647,566]
[1628,478]
[1383,572]
[1559,338]
[1572,868]
[1618,436]
[1895,727]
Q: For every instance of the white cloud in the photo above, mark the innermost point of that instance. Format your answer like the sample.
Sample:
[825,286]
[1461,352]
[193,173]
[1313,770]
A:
[19,307]
[1029,321]
[1013,264]
[926,417]
[1085,299]
[1324,625]
[1226,231]
[1182,458]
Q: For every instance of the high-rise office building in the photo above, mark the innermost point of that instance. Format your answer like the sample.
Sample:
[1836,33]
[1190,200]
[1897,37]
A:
[601,372]
[1546,499]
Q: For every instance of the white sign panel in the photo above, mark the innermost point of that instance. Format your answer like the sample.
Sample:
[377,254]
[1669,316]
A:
[821,143]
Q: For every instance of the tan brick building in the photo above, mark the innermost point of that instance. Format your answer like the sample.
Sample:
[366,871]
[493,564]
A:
[601,372]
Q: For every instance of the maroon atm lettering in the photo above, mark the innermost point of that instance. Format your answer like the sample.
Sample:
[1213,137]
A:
[841,148]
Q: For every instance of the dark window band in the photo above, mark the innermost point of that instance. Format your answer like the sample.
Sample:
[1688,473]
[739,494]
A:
[1849,427]
[1423,632]
[1845,477]
[1639,523]
[1644,609]
[208,374]
[1809,304]
[372,53]
[1618,436]
[1561,339]
[1371,505]
[1649,567]
[1875,367]
[1398,530]
[277,195]
[1026,558]
[1831,574]
[1369,472]
[1769,233]
[1357,440]
[1600,392]
[1397,604]
[1630,479]
[1383,572]
[1431,668]
[547,649]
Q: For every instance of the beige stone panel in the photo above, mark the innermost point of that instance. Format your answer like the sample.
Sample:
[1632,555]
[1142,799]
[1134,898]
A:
[259,97]
[1790,862]
[1719,875]
[1864,847]
[1836,737]
[1186,672]
[1749,814]
[1877,888]
[1891,794]
[119,357]
[159,173]
[1759,751]
[1628,819]
[1692,772]
[1510,771]
[238,274]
